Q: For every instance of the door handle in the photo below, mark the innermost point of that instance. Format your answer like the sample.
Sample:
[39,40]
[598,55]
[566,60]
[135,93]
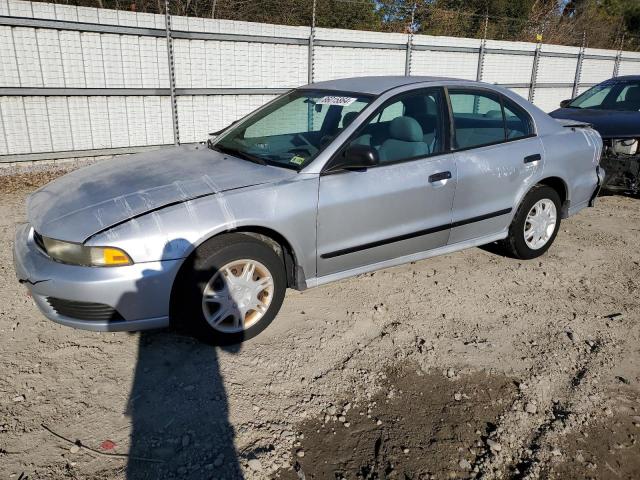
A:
[532,158]
[436,177]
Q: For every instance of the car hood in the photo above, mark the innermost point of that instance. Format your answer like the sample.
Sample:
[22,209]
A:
[89,200]
[609,123]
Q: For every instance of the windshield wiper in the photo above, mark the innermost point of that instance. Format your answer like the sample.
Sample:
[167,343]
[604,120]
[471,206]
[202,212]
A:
[240,154]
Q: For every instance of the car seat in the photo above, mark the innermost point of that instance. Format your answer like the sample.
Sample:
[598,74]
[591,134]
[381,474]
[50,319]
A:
[494,114]
[364,139]
[348,117]
[405,140]
[425,110]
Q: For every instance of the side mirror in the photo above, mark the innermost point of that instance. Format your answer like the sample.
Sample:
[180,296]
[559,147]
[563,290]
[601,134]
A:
[357,157]
[565,103]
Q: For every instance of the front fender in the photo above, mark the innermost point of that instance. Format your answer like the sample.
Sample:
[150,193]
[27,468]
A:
[288,208]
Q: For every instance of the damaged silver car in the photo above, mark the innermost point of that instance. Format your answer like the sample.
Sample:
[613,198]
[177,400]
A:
[326,182]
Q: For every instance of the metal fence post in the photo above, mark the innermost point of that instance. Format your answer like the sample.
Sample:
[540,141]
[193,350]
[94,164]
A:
[576,78]
[312,35]
[534,71]
[407,59]
[172,75]
[482,50]
[616,65]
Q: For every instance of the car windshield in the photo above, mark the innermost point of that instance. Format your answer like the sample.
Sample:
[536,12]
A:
[621,96]
[291,131]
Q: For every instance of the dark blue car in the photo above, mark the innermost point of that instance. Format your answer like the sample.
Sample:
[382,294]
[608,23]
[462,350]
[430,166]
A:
[613,109]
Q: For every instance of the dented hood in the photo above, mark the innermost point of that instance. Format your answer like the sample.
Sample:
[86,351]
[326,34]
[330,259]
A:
[78,205]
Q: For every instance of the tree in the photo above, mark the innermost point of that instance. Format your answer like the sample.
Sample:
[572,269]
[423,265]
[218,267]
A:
[603,22]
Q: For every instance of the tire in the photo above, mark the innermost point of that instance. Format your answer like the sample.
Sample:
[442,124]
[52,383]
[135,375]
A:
[522,244]
[230,292]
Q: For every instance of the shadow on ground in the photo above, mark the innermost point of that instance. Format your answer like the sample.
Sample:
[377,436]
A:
[178,404]
[179,412]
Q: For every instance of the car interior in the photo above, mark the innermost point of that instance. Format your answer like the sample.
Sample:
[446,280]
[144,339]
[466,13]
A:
[415,131]
[406,128]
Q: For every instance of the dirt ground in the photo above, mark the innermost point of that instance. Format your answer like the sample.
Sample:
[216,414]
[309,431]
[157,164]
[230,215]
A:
[470,365]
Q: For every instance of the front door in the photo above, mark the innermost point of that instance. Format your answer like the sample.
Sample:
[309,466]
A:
[399,208]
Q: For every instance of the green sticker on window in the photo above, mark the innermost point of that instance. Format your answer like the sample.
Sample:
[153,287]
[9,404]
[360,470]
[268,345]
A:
[297,160]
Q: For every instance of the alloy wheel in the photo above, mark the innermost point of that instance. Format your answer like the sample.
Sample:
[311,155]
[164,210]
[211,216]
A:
[237,296]
[540,224]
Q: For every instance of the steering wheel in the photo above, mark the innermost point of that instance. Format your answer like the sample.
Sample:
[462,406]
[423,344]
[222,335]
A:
[309,147]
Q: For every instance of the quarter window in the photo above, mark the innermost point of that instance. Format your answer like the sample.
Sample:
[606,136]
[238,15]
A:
[516,121]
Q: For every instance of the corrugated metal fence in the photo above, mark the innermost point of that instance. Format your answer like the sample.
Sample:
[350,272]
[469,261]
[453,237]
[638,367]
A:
[77,81]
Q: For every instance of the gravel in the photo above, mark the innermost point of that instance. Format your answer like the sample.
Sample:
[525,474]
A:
[470,312]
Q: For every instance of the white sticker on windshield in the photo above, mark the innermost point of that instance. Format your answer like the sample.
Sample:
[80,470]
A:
[331,100]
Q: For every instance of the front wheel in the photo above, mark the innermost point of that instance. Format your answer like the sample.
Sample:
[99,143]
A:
[535,224]
[230,289]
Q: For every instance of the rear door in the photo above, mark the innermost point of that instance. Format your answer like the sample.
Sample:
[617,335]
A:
[399,208]
[497,154]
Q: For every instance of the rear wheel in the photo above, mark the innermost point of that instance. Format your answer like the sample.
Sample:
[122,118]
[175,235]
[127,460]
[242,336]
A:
[535,225]
[230,289]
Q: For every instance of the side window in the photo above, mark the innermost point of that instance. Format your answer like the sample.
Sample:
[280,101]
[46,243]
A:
[390,112]
[477,118]
[517,121]
[628,98]
[411,126]
[622,96]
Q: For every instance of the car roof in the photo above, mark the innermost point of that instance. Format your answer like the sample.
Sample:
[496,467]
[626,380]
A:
[374,85]
[623,78]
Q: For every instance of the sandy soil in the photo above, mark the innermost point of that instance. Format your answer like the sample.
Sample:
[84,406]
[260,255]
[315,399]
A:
[462,366]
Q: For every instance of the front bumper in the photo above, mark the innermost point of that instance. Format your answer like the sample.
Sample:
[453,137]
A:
[140,293]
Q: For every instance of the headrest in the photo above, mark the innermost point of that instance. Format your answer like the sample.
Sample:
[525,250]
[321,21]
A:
[348,118]
[493,114]
[418,105]
[406,129]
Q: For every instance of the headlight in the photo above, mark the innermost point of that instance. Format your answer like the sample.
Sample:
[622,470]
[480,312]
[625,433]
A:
[77,254]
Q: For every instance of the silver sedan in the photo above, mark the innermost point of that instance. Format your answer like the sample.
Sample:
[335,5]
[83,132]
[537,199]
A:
[328,181]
